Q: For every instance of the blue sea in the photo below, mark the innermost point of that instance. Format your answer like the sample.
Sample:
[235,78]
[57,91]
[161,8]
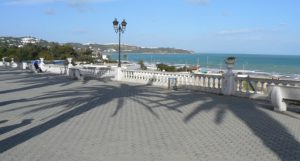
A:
[274,64]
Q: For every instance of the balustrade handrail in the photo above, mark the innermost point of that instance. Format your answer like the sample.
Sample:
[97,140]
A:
[269,80]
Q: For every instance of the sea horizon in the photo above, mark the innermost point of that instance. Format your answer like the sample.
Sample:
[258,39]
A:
[273,64]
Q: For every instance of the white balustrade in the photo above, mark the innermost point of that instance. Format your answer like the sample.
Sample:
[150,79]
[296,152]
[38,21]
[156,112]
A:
[52,68]
[246,86]
[184,80]
[213,83]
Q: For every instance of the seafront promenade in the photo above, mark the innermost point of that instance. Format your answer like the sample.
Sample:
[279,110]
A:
[52,117]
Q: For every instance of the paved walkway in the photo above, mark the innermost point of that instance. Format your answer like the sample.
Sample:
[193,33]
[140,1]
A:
[51,118]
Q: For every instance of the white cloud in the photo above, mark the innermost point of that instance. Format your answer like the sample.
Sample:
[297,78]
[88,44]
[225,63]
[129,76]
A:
[198,2]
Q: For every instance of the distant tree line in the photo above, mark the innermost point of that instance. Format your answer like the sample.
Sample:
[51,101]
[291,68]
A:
[52,52]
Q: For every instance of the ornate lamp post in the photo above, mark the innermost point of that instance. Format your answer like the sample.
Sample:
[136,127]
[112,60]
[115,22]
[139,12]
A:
[119,28]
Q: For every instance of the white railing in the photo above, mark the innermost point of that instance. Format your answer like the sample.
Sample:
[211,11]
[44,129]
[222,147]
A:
[91,72]
[209,83]
[96,72]
[53,68]
[246,86]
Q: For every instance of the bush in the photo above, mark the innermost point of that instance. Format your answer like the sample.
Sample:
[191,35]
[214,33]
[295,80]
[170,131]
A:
[142,65]
[164,67]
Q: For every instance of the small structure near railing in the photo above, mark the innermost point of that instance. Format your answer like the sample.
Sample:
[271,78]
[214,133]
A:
[282,95]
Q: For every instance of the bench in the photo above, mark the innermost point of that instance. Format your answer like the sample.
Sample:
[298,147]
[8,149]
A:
[281,96]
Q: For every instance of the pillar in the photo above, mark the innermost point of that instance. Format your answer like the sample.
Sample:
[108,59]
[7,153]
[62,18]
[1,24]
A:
[13,64]
[3,62]
[228,82]
[42,64]
[118,74]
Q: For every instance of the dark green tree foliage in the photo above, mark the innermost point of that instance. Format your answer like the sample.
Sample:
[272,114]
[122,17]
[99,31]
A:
[62,51]
[50,52]
[142,65]
[166,68]
[85,55]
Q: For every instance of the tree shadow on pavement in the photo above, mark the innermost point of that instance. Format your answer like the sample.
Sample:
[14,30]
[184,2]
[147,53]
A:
[82,99]
[270,131]
[9,128]
[74,102]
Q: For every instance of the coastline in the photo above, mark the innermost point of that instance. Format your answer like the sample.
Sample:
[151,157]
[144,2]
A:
[276,65]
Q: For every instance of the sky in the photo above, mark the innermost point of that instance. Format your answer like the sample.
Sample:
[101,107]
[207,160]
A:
[205,26]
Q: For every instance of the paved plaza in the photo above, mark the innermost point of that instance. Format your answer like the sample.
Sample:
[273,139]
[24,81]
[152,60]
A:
[46,117]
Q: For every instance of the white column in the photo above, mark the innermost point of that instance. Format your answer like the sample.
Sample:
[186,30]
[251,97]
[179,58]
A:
[70,72]
[118,74]
[228,83]
[69,62]
[3,62]
[42,64]
[13,64]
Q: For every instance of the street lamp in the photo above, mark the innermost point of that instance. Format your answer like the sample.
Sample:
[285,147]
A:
[119,28]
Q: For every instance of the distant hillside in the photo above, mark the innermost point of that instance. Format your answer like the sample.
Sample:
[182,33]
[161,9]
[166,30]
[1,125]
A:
[105,48]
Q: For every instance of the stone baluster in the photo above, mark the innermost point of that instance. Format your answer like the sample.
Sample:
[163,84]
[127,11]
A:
[255,86]
[262,86]
[219,83]
[3,62]
[214,82]
[208,82]
[248,87]
[197,80]
[240,85]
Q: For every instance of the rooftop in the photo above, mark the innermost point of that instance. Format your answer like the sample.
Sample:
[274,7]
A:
[51,117]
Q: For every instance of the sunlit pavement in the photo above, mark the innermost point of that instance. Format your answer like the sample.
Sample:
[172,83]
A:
[53,118]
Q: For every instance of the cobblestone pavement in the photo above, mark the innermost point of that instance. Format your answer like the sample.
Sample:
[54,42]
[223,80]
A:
[45,117]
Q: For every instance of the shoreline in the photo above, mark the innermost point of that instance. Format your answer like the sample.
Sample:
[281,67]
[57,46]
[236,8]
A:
[292,76]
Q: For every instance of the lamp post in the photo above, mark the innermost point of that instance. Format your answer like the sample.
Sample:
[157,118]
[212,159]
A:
[119,28]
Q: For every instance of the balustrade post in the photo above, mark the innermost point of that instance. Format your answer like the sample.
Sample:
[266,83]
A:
[248,84]
[255,86]
[3,62]
[240,85]
[118,74]
[214,82]
[228,83]
[13,64]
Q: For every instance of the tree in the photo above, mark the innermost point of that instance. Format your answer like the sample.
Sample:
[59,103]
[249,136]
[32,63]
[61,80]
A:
[62,51]
[45,54]
[164,67]
[85,55]
[142,65]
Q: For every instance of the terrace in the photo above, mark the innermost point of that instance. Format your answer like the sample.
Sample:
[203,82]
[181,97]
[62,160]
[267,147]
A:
[53,117]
